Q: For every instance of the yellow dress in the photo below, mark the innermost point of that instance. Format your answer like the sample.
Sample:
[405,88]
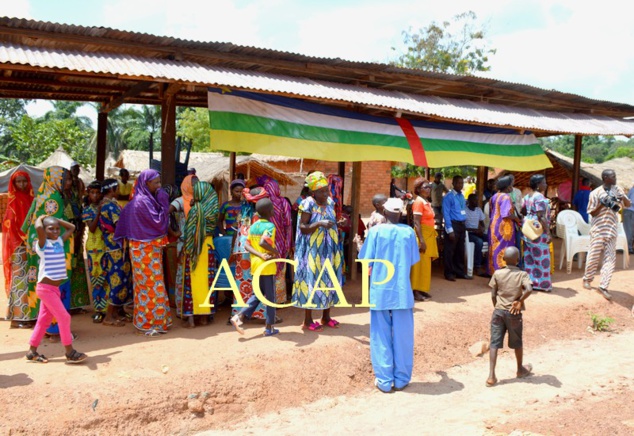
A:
[421,271]
[124,190]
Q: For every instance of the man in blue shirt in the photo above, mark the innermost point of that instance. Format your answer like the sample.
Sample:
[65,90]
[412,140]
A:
[580,202]
[453,210]
[391,317]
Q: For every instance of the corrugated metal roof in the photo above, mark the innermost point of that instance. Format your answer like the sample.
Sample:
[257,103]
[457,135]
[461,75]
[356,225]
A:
[185,72]
[145,43]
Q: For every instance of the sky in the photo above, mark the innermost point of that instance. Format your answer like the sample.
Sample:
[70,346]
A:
[577,46]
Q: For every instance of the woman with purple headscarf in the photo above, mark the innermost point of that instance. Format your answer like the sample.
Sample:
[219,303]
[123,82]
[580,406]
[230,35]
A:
[281,218]
[144,223]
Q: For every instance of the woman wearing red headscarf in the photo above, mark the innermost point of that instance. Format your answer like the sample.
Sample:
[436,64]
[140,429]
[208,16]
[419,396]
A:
[14,250]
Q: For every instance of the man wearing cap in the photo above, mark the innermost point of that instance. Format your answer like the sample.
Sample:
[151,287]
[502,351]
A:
[392,302]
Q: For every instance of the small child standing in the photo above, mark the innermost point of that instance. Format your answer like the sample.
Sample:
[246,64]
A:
[261,245]
[377,216]
[52,273]
[510,286]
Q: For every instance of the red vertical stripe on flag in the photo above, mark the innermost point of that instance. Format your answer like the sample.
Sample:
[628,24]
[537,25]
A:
[415,143]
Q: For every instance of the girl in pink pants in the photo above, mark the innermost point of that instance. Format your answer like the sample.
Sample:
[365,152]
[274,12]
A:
[51,274]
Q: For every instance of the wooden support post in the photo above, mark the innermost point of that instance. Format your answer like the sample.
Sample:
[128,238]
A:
[102,129]
[427,174]
[576,166]
[232,166]
[168,140]
[481,183]
[355,196]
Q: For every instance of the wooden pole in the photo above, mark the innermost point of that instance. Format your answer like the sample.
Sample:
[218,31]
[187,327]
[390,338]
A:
[168,140]
[102,126]
[427,173]
[481,183]
[232,166]
[355,196]
[576,166]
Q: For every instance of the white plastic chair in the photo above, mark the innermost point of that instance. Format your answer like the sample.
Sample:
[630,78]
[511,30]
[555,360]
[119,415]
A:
[573,242]
[469,253]
[621,244]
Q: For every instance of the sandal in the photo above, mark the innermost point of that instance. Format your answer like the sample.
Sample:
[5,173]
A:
[115,323]
[314,327]
[150,333]
[35,357]
[75,357]
[270,332]
[98,317]
[333,323]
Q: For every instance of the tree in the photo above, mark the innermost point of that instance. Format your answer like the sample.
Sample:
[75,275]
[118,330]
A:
[193,125]
[458,46]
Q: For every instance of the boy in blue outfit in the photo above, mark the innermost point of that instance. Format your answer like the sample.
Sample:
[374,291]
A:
[392,317]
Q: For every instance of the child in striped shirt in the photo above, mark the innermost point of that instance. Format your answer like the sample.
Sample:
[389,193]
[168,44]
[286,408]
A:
[51,274]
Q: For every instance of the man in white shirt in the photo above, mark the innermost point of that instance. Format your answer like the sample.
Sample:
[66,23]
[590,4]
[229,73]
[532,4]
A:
[475,227]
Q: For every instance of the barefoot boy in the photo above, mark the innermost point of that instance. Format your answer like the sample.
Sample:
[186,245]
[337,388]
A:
[392,317]
[261,245]
[510,286]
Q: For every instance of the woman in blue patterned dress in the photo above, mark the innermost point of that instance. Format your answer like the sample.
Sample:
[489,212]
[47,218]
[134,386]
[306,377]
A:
[537,260]
[317,242]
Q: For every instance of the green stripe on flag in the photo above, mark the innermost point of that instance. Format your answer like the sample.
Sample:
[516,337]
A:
[511,150]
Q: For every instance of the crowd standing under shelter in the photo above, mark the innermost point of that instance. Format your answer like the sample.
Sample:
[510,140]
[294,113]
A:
[154,252]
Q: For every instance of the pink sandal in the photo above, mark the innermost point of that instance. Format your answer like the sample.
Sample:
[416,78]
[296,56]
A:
[314,327]
[333,323]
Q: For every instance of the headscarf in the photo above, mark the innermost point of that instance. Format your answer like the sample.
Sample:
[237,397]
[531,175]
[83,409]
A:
[145,217]
[173,192]
[52,185]
[316,180]
[281,217]
[187,192]
[108,184]
[237,182]
[201,222]
[18,206]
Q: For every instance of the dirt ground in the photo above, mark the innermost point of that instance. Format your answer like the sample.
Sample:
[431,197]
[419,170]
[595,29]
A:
[322,382]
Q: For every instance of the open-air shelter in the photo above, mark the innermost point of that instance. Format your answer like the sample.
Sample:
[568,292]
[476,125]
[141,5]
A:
[43,60]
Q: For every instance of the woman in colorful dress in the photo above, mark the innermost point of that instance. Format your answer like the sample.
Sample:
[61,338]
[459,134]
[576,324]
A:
[94,250]
[424,226]
[143,222]
[537,261]
[48,201]
[281,218]
[115,262]
[317,241]
[200,260]
[14,250]
[502,224]
[240,257]
[230,210]
[79,296]
[180,208]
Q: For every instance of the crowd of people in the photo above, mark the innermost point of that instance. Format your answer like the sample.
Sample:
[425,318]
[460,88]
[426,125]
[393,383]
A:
[154,252]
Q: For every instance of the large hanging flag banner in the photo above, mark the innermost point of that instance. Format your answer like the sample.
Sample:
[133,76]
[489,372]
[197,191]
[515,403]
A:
[268,124]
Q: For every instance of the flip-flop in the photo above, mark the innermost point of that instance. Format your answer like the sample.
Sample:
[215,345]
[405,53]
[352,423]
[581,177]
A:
[529,369]
[115,323]
[333,323]
[270,332]
[314,327]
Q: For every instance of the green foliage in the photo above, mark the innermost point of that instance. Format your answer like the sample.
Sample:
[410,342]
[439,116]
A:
[407,170]
[193,125]
[33,140]
[600,323]
[458,46]
[594,149]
